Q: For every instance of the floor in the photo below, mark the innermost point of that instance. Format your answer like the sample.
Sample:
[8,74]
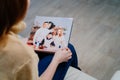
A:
[95,33]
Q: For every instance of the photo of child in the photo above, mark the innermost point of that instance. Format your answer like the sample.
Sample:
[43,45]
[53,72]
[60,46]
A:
[47,35]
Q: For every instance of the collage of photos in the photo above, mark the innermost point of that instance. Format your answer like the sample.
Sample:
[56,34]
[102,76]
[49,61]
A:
[47,36]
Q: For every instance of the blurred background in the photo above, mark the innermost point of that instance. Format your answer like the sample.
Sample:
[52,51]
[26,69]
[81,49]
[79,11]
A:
[95,34]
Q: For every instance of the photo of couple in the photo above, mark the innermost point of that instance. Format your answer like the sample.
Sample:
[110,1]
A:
[47,36]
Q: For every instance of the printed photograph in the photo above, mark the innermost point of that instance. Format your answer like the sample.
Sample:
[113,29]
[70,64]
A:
[50,33]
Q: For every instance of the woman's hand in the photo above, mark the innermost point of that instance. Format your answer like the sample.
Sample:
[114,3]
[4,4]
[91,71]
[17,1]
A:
[62,55]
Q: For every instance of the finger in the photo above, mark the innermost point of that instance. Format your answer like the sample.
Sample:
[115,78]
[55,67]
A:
[62,49]
[69,53]
[66,61]
[66,48]
[69,57]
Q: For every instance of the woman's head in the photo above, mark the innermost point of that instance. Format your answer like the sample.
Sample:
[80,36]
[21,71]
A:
[60,32]
[51,25]
[11,12]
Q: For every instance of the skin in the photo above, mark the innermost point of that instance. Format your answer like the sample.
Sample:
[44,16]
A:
[49,36]
[46,25]
[62,55]
[60,32]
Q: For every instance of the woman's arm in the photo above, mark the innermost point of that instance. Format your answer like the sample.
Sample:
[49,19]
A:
[49,72]
[28,71]
[62,55]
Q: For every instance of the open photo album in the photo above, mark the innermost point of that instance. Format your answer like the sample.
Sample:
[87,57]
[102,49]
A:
[50,33]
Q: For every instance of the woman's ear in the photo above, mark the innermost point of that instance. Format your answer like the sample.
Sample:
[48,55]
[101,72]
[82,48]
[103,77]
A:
[18,27]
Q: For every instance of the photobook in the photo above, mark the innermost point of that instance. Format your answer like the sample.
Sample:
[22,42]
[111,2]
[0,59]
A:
[48,34]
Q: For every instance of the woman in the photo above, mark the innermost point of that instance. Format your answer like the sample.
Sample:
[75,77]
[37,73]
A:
[59,38]
[43,32]
[17,60]
[62,68]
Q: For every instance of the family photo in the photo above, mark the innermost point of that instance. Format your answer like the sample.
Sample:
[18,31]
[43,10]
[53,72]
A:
[48,34]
